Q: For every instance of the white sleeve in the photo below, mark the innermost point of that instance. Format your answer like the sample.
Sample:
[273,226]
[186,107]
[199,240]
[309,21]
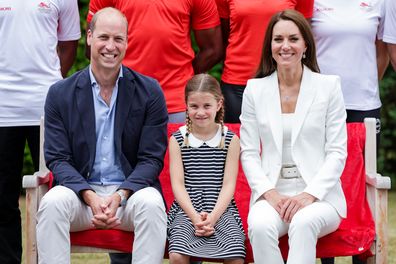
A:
[380,30]
[390,22]
[335,147]
[251,147]
[69,21]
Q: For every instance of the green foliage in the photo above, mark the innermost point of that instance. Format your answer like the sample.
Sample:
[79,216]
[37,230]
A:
[387,152]
[28,168]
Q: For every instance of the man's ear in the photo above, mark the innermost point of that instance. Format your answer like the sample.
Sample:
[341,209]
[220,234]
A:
[89,37]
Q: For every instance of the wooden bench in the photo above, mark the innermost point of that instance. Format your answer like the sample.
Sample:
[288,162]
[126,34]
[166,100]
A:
[363,232]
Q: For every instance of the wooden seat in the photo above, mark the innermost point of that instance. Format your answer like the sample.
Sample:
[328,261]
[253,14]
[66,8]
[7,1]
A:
[363,232]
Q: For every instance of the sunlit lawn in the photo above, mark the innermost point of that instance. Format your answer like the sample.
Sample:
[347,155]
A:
[104,259]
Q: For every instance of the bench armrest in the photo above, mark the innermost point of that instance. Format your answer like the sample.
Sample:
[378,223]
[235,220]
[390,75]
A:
[370,155]
[378,181]
[35,180]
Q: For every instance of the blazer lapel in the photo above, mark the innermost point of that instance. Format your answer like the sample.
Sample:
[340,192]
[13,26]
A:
[126,90]
[274,110]
[304,101]
[86,110]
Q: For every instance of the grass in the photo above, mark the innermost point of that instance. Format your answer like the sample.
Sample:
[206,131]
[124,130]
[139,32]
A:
[104,259]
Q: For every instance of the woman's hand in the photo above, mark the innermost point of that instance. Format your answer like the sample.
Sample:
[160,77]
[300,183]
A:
[293,204]
[275,199]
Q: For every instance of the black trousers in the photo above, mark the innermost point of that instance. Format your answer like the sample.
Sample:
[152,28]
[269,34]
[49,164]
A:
[120,258]
[232,101]
[12,145]
[359,116]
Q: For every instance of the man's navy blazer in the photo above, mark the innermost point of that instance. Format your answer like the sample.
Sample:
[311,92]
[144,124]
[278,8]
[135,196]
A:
[140,130]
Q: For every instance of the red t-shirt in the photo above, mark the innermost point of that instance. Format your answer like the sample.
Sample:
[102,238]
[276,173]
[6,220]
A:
[248,23]
[159,43]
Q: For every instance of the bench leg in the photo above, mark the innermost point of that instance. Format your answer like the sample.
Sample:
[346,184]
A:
[31,210]
[378,199]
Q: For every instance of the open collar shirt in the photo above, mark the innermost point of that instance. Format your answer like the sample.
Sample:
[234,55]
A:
[107,167]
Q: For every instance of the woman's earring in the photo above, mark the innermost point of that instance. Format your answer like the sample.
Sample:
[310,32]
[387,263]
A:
[304,56]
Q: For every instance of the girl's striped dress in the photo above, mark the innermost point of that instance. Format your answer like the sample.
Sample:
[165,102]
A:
[204,164]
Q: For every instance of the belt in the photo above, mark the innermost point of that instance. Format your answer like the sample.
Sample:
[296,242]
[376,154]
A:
[290,172]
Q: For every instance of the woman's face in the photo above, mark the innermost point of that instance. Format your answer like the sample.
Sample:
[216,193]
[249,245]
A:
[287,45]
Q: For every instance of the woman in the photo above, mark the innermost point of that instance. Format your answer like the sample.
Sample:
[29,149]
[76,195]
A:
[243,25]
[293,141]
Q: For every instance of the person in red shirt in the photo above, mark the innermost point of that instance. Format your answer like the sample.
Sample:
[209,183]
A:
[243,24]
[159,42]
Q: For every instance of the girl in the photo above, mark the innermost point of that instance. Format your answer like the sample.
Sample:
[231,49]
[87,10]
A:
[204,221]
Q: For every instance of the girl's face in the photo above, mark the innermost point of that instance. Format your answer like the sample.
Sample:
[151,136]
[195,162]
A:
[202,108]
[287,44]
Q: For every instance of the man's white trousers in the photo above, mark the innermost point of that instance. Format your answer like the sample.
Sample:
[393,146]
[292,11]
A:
[61,212]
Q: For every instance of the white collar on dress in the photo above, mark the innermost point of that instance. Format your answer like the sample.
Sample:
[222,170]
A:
[196,142]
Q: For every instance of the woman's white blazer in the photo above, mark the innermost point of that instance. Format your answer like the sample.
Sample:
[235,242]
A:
[319,137]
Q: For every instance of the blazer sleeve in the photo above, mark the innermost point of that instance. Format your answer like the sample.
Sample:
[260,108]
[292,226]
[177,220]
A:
[152,143]
[251,145]
[335,145]
[58,154]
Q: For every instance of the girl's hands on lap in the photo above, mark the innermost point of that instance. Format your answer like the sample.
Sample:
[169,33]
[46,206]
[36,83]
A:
[205,227]
[196,219]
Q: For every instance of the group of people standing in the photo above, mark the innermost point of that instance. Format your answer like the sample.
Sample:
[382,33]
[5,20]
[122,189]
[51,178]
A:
[105,126]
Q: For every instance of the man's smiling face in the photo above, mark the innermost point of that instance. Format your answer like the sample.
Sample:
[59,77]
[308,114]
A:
[108,41]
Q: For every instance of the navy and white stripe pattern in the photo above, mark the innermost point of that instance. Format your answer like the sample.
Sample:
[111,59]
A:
[203,175]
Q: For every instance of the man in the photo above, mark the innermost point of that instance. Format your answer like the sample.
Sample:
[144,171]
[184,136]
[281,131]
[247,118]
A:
[37,47]
[160,42]
[105,140]
[390,30]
